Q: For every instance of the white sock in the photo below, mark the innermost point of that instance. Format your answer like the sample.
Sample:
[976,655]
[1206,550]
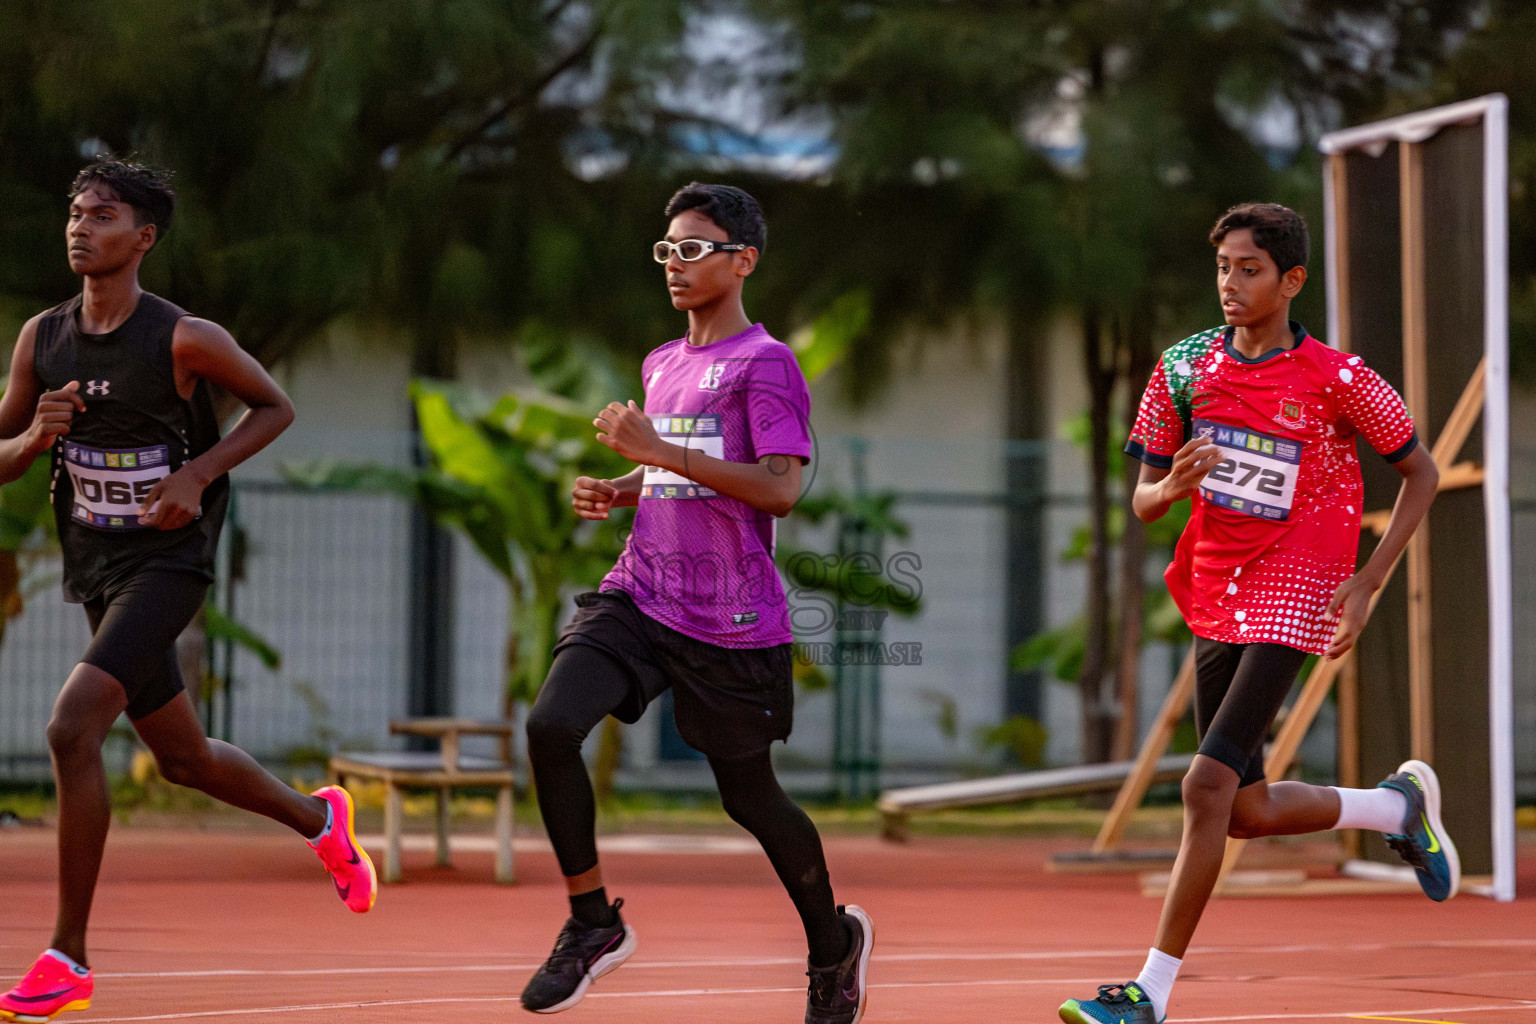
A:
[1381,809]
[1156,979]
[330,814]
[68,962]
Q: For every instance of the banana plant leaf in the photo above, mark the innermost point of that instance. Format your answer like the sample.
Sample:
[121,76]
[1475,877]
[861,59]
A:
[500,473]
[24,505]
[220,626]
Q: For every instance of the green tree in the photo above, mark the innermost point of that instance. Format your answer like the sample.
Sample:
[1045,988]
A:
[501,473]
[1496,58]
[24,514]
[424,167]
[1067,159]
[496,167]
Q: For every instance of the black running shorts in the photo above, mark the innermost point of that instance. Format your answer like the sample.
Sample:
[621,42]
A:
[729,702]
[134,626]
[1239,689]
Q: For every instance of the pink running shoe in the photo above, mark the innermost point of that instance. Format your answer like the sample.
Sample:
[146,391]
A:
[50,987]
[343,855]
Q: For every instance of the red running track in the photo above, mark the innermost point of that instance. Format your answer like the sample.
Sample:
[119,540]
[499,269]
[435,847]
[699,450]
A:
[241,928]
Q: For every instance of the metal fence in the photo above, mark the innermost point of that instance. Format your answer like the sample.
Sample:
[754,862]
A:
[326,578]
[40,649]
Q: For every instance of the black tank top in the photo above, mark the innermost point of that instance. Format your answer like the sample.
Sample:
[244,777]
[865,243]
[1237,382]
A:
[136,429]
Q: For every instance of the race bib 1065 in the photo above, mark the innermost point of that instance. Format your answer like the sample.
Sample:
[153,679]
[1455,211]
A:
[1257,473]
[111,483]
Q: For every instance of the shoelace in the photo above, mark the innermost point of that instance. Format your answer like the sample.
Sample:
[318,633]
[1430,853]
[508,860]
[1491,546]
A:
[568,944]
[1113,995]
[823,985]
[1410,850]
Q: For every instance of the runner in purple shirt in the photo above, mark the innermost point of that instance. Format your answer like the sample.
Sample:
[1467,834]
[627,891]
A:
[700,560]
[696,605]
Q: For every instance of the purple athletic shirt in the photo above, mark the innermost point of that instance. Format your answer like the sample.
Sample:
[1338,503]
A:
[698,561]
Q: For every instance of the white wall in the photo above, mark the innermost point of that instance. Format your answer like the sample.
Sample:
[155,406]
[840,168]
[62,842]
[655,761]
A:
[936,430]
[934,433]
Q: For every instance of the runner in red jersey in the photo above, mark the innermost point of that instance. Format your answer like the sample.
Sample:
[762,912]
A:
[1278,529]
[1256,422]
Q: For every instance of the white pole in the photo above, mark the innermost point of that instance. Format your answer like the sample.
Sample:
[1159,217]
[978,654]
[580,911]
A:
[1416,127]
[1496,493]
[1331,253]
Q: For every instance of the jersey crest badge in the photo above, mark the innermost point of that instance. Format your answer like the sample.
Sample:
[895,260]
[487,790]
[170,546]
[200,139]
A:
[712,375]
[1290,415]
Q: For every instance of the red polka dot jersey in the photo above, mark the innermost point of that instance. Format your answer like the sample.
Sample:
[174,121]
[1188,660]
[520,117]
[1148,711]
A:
[1276,524]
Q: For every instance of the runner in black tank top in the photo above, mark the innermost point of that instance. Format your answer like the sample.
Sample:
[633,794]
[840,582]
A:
[136,430]
[113,384]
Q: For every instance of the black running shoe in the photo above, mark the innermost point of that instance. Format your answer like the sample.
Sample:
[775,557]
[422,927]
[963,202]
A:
[581,956]
[837,994]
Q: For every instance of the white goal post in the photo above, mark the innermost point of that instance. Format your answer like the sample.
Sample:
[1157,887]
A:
[1408,137]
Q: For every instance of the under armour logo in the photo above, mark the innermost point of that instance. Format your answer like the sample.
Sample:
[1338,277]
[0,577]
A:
[98,387]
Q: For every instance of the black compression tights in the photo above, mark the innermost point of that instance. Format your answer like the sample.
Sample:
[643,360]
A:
[583,687]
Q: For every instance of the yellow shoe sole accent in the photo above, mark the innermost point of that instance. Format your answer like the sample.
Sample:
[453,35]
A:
[28,1018]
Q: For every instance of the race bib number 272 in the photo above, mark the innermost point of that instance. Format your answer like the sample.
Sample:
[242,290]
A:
[1257,473]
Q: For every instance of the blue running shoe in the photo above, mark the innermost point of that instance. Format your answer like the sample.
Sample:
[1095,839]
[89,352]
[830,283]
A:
[1424,843]
[1116,1004]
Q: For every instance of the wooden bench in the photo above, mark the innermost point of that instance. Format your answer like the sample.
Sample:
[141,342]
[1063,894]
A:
[897,805]
[443,772]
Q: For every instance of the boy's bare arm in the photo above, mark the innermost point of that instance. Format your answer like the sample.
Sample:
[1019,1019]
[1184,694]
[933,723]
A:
[1352,601]
[1157,489]
[202,350]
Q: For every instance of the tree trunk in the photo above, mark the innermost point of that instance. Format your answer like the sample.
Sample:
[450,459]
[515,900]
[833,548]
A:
[192,657]
[509,702]
[10,589]
[1133,550]
[531,627]
[513,689]
[610,748]
[1101,373]
[1025,511]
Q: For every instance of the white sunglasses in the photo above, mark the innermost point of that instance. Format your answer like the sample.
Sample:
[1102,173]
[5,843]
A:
[691,249]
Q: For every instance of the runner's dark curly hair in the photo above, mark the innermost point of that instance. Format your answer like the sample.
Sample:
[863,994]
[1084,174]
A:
[146,189]
[1278,230]
[735,211]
